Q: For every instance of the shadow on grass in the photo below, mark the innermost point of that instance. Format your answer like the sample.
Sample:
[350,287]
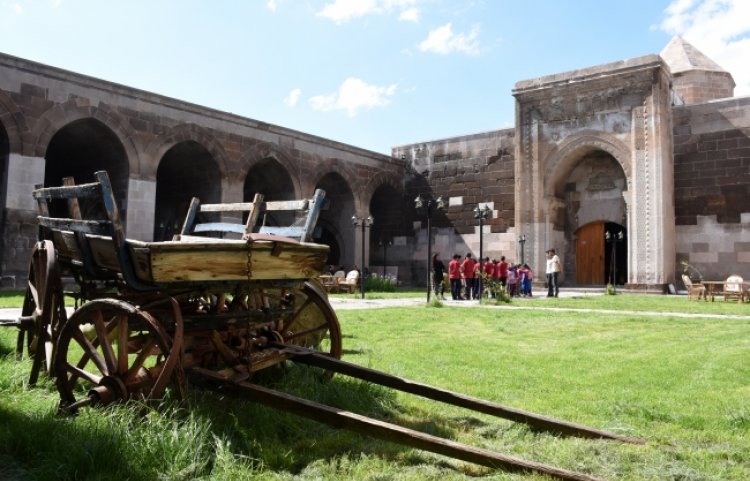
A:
[47,446]
[284,441]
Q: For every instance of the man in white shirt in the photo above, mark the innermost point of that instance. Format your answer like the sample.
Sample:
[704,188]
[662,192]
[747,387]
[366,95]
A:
[553,271]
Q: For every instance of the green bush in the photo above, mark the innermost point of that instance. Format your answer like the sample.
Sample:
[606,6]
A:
[376,283]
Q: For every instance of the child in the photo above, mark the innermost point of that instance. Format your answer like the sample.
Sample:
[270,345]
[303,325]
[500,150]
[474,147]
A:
[513,281]
[527,278]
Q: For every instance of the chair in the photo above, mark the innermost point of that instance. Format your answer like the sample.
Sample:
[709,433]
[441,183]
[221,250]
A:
[733,288]
[350,282]
[329,282]
[695,291]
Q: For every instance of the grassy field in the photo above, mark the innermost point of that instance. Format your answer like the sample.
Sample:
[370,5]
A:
[682,383]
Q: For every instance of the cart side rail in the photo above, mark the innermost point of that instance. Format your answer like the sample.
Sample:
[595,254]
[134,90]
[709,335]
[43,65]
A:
[256,212]
[101,194]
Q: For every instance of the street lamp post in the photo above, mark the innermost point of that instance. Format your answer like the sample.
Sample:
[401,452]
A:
[429,205]
[522,241]
[481,214]
[364,223]
[385,244]
[614,239]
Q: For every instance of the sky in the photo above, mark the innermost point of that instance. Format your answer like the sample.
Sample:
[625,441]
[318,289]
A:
[371,73]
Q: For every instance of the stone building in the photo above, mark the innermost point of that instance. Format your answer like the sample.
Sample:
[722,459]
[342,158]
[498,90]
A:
[655,148]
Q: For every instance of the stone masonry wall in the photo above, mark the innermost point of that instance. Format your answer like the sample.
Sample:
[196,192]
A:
[36,101]
[468,171]
[712,187]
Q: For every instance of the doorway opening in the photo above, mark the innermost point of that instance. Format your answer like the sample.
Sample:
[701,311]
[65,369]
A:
[600,260]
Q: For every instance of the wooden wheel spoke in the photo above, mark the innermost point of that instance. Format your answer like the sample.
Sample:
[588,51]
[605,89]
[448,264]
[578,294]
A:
[77,372]
[34,293]
[307,302]
[90,351]
[140,359]
[307,332]
[122,344]
[102,333]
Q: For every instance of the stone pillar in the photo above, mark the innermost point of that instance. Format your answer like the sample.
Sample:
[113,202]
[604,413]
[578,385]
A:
[20,229]
[141,209]
[651,208]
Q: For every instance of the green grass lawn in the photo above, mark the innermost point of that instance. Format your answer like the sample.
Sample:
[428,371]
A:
[681,383]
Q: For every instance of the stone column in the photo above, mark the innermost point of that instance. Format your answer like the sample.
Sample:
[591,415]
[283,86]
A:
[141,209]
[651,209]
[20,229]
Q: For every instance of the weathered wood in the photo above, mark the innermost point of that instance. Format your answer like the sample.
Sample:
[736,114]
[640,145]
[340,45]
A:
[220,227]
[225,261]
[276,205]
[73,204]
[228,207]
[187,224]
[342,419]
[283,231]
[535,420]
[67,192]
[97,227]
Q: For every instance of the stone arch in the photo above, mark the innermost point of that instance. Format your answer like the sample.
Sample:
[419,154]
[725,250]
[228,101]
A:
[380,179]
[186,132]
[335,220]
[82,147]
[66,113]
[13,122]
[185,171]
[350,178]
[264,151]
[561,161]
[586,177]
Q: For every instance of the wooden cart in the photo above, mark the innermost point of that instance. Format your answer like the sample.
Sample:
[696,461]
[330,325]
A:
[220,302]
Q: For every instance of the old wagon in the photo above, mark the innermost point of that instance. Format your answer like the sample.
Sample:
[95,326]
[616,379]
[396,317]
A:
[230,295]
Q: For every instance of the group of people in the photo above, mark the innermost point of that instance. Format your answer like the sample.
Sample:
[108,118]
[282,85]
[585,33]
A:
[464,276]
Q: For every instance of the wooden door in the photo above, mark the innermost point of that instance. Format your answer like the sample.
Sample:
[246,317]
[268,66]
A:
[590,254]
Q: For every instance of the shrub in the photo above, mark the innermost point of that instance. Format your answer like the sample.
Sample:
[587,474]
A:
[376,283]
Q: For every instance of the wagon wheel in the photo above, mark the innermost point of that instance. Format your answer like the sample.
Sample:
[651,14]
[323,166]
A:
[313,324]
[43,311]
[109,350]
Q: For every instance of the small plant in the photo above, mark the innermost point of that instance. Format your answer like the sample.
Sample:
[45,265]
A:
[691,271]
[376,283]
[435,302]
[610,290]
[495,290]
[501,295]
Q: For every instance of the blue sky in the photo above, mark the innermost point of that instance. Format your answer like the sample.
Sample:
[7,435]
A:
[371,73]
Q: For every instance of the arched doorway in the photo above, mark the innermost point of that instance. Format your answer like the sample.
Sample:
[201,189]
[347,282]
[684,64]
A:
[270,178]
[336,218]
[601,254]
[83,147]
[589,203]
[187,170]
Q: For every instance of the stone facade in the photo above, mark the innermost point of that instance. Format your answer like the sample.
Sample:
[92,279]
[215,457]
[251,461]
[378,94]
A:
[712,186]
[159,152]
[628,169]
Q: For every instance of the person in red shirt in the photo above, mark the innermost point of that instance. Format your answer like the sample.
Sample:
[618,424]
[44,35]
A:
[454,274]
[502,271]
[467,274]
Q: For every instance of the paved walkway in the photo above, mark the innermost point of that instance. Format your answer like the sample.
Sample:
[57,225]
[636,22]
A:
[351,302]
[345,303]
